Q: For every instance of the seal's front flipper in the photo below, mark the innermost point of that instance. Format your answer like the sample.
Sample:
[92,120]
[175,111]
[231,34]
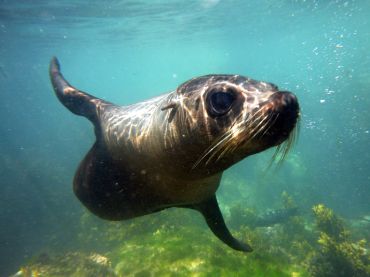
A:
[78,102]
[216,223]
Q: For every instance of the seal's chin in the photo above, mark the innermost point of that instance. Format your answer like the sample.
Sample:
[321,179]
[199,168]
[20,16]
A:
[283,109]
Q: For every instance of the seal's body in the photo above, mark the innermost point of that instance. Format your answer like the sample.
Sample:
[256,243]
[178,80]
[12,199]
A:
[170,151]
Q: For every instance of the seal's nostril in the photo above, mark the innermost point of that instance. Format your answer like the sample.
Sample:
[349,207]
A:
[288,96]
[285,99]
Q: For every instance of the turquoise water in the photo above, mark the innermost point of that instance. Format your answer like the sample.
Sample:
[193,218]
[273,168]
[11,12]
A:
[128,51]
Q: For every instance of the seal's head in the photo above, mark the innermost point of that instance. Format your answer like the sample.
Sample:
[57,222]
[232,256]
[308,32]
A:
[242,117]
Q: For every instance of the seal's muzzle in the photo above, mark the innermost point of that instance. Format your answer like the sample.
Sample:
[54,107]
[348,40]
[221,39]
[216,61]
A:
[284,108]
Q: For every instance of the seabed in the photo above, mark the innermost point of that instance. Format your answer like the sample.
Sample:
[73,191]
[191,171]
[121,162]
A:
[177,242]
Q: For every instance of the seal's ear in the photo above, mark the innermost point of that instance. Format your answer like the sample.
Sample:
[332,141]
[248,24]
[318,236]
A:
[173,106]
[78,102]
[211,212]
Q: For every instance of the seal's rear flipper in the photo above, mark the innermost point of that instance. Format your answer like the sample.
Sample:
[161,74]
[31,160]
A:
[215,221]
[78,102]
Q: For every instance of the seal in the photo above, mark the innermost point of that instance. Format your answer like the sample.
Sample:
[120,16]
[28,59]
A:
[171,151]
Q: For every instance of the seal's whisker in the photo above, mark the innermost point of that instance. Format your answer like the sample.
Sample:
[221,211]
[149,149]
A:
[283,149]
[261,119]
[296,130]
[236,129]
[257,116]
[228,145]
[266,126]
[222,140]
[291,140]
[271,124]
[232,146]
[217,148]
[261,126]
[255,130]
[211,148]
[288,144]
[282,152]
[226,141]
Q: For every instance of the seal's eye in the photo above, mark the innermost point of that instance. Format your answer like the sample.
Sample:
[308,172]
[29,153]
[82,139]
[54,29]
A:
[220,102]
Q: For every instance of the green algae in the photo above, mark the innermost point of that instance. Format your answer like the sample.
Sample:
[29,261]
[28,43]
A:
[194,252]
[177,242]
[337,254]
[329,223]
[73,264]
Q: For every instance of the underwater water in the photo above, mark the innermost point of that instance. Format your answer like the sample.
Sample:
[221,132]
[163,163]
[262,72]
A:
[310,216]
